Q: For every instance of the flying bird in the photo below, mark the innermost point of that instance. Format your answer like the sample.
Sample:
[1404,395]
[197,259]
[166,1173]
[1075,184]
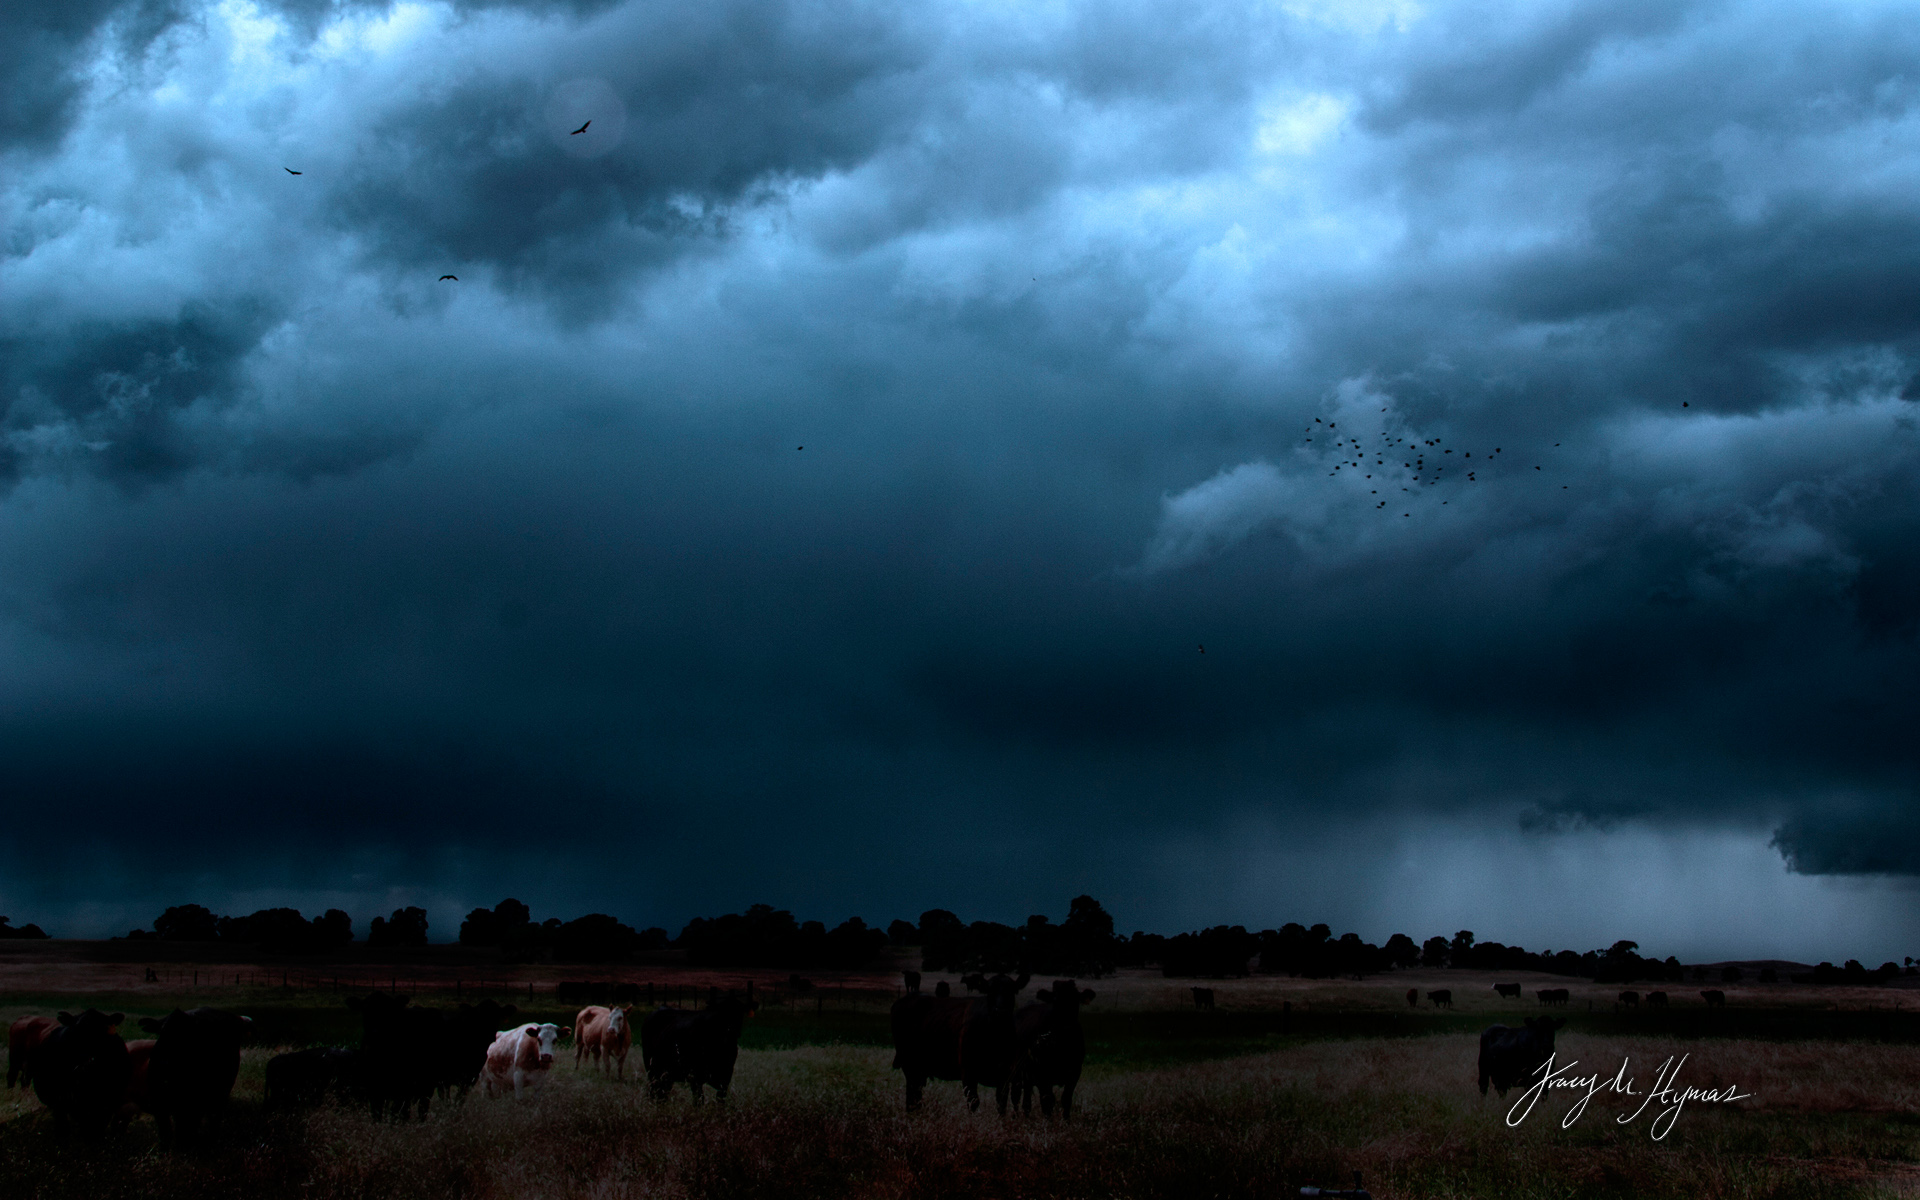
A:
[455,278]
[799,447]
[582,129]
[290,170]
[1203,648]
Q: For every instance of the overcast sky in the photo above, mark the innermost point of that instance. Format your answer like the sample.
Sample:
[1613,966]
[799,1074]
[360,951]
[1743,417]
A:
[325,581]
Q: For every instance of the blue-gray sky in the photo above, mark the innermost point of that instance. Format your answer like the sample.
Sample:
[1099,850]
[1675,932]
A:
[326,582]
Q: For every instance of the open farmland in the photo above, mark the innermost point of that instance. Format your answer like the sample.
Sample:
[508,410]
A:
[1288,1082]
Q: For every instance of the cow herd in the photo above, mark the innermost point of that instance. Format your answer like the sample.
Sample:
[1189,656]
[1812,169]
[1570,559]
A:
[990,1040]
[90,1078]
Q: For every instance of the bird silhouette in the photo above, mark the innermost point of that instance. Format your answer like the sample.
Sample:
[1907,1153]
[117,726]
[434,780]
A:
[455,278]
[290,171]
[799,447]
[1203,647]
[582,129]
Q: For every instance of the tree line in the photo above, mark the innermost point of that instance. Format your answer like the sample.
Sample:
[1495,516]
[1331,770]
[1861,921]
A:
[1083,944]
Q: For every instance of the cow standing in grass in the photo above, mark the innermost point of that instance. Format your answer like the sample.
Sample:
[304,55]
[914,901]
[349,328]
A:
[521,1059]
[605,1035]
[80,1070]
[23,1038]
[1509,1055]
[196,1058]
[1052,1048]
[1715,998]
[1442,998]
[956,1037]
[1656,999]
[300,1078]
[694,1048]
[1508,991]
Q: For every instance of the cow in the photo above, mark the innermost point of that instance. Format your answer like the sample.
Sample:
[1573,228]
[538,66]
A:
[943,989]
[1630,999]
[196,1059]
[1509,1055]
[1052,1048]
[911,980]
[302,1078]
[605,1034]
[955,1037]
[398,1044]
[133,1101]
[1552,997]
[25,1035]
[1715,998]
[1413,997]
[80,1070]
[1441,999]
[1656,999]
[1510,991]
[520,1059]
[1203,998]
[697,1048]
[459,1044]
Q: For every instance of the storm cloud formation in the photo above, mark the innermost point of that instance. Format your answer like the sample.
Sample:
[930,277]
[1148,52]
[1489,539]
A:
[326,579]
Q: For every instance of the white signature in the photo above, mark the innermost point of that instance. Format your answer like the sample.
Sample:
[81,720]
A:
[1666,1091]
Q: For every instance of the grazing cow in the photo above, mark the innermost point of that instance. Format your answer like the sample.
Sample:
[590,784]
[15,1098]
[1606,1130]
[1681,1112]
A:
[1203,997]
[1630,999]
[80,1070]
[1413,997]
[1510,991]
[1509,1055]
[971,1040]
[912,981]
[22,1039]
[943,989]
[605,1034]
[1441,999]
[1656,999]
[1553,997]
[1052,1048]
[1715,998]
[195,1061]
[697,1048]
[302,1078]
[520,1059]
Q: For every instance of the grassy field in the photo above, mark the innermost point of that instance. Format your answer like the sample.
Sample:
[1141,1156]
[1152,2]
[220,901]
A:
[1249,1101]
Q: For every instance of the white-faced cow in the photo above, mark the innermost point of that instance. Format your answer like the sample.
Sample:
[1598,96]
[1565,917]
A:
[520,1059]
[1509,1055]
[1052,1047]
[80,1070]
[196,1058]
[957,1037]
[698,1049]
[605,1035]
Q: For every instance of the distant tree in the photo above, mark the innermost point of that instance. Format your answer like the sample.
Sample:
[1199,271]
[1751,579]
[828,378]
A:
[943,939]
[492,927]
[903,933]
[1769,975]
[1433,953]
[406,927]
[1401,951]
[1730,975]
[187,923]
[1221,951]
[29,930]
[1460,952]
[332,929]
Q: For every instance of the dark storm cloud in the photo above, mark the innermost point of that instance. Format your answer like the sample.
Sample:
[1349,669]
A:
[307,548]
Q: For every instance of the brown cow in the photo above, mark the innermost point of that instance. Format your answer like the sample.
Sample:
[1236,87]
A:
[1715,998]
[1413,997]
[1656,999]
[956,1037]
[139,1055]
[605,1034]
[1630,999]
[22,1039]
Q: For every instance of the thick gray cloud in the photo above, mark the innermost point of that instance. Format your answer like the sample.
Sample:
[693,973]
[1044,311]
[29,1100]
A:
[327,579]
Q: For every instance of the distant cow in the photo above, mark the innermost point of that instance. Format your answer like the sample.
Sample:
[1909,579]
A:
[911,979]
[943,989]
[195,1061]
[971,1040]
[22,1039]
[80,1070]
[1509,1055]
[302,1078]
[520,1059]
[697,1048]
[1656,999]
[1715,998]
[1052,1048]
[1553,997]
[1630,999]
[1511,991]
[1203,997]
[605,1035]
[1441,999]
[1413,997]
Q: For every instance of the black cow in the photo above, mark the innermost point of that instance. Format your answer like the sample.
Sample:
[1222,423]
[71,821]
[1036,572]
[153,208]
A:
[302,1078]
[459,1045]
[1509,990]
[912,981]
[955,1037]
[1203,997]
[943,989]
[398,1067]
[1715,998]
[1630,999]
[1556,997]
[80,1070]
[694,1048]
[1509,1055]
[1441,999]
[190,1076]
[1052,1048]
[1656,999]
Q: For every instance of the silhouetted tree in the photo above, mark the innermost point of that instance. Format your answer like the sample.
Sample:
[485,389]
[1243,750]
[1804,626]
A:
[187,923]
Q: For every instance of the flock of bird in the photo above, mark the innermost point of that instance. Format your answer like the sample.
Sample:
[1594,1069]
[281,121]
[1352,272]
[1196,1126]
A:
[1355,454]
